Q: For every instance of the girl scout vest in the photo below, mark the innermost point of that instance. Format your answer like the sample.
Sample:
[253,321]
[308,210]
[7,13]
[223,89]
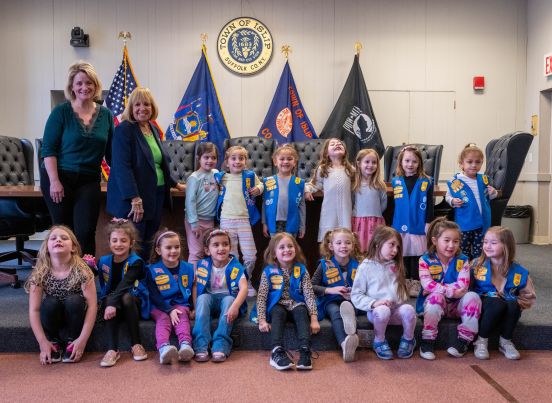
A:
[468,216]
[276,285]
[177,291]
[332,276]
[296,189]
[248,181]
[516,280]
[234,273]
[410,210]
[438,274]
[106,273]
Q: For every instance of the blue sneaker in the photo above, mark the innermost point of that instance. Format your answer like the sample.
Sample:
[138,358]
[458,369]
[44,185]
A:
[406,348]
[382,350]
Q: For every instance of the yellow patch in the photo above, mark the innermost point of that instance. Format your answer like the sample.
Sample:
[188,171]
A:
[184,279]
[276,280]
[202,272]
[270,182]
[456,185]
[517,279]
[332,272]
[162,279]
[247,183]
[435,269]
[296,271]
[164,287]
[136,283]
[297,180]
[480,273]
[276,286]
[397,189]
[234,273]
[424,186]
[485,180]
[106,277]
[459,265]
[353,274]
[201,281]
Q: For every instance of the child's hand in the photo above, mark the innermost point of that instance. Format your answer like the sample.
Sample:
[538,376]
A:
[456,202]
[110,312]
[380,302]
[77,347]
[191,314]
[181,186]
[264,326]
[309,196]
[314,325]
[175,320]
[301,234]
[89,260]
[46,348]
[492,191]
[254,191]
[265,231]
[196,231]
[340,290]
[232,314]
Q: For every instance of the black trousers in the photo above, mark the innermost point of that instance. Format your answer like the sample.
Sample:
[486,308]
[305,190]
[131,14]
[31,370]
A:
[57,314]
[299,315]
[129,313]
[80,207]
[148,228]
[411,267]
[496,312]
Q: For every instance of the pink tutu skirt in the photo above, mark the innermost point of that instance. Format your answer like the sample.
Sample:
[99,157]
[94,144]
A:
[365,227]
[414,245]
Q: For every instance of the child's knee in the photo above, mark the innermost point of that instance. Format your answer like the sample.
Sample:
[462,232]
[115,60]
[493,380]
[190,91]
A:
[381,313]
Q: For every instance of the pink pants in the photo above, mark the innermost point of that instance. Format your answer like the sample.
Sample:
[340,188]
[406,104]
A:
[195,245]
[382,316]
[163,326]
[467,308]
[242,235]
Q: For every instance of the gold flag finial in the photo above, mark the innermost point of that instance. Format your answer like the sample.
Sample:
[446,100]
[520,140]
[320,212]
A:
[203,38]
[358,47]
[125,35]
[286,50]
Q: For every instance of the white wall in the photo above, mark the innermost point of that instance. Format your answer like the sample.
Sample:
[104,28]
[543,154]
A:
[418,60]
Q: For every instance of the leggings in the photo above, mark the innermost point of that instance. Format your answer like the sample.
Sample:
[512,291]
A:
[498,313]
[68,313]
[241,233]
[382,315]
[129,313]
[472,243]
[299,315]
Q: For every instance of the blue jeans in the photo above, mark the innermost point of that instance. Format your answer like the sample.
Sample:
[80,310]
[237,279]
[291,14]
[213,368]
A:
[207,306]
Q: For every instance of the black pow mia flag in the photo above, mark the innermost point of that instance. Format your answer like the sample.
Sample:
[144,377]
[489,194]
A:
[352,119]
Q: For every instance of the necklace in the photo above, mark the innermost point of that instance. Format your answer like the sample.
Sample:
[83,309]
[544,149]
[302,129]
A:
[146,131]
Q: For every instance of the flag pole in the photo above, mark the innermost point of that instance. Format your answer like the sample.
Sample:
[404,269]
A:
[358,47]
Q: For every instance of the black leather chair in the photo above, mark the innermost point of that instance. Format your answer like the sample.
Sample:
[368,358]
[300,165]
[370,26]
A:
[431,155]
[505,157]
[181,156]
[309,155]
[260,153]
[17,215]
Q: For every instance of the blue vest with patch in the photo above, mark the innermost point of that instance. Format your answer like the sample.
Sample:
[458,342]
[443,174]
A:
[516,279]
[276,285]
[296,189]
[468,216]
[248,181]
[174,291]
[233,273]
[105,266]
[332,276]
[439,275]
[410,210]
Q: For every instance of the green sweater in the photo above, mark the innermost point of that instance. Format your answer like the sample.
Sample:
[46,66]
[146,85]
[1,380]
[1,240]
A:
[77,149]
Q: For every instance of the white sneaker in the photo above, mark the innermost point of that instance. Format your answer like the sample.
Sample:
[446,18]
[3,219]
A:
[167,354]
[480,348]
[507,348]
[349,347]
[186,352]
[347,311]
[251,292]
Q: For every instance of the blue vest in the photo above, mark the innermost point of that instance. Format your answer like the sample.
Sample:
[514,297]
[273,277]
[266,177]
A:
[276,285]
[234,272]
[410,210]
[516,279]
[175,292]
[333,277]
[248,181]
[106,274]
[468,216]
[296,189]
[438,274]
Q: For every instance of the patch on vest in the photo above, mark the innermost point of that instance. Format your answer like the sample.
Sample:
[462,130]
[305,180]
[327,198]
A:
[276,282]
[485,180]
[424,186]
[435,269]
[202,272]
[480,273]
[353,274]
[459,265]
[234,273]
[184,279]
[296,271]
[517,279]
[297,180]
[456,185]
[162,279]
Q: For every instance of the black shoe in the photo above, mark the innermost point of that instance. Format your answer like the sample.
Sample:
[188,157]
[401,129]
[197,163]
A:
[459,348]
[67,353]
[55,355]
[280,359]
[305,359]
[426,349]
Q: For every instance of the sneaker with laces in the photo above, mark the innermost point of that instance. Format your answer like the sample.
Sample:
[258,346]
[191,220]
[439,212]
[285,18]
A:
[347,311]
[280,359]
[138,352]
[507,348]
[349,346]
[305,358]
[480,348]
[382,350]
[406,348]
[459,348]
[426,349]
[186,352]
[55,355]
[167,354]
[110,358]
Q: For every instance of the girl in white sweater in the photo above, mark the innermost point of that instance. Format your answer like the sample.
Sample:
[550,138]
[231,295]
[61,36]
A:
[380,290]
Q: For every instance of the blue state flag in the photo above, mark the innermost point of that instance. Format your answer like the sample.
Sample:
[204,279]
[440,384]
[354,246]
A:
[199,116]
[286,120]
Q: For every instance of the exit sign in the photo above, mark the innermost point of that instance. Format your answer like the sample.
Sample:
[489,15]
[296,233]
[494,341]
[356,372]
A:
[548,65]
